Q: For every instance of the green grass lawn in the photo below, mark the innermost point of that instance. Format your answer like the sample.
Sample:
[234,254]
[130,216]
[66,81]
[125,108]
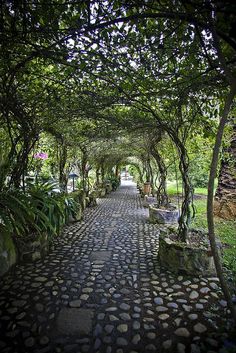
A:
[172,188]
[225,230]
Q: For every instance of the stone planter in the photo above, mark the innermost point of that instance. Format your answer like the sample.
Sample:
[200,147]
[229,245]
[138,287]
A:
[184,258]
[78,216]
[162,215]
[108,187]
[87,201]
[92,199]
[149,200]
[80,197]
[32,247]
[102,192]
[147,188]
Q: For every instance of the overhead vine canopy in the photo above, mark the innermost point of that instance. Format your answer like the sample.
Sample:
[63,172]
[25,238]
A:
[106,68]
[131,64]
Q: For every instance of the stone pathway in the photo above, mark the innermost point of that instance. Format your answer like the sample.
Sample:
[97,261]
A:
[101,290]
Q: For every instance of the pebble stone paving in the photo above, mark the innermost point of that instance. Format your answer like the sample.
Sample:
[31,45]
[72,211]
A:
[101,289]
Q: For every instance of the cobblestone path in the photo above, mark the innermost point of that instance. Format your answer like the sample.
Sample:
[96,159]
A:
[101,290]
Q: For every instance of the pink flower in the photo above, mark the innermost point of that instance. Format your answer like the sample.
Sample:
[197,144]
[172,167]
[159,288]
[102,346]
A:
[41,155]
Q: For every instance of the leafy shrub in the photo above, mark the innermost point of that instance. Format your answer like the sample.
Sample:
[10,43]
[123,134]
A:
[71,209]
[49,208]
[38,210]
[17,215]
[199,171]
[115,182]
[200,180]
[57,207]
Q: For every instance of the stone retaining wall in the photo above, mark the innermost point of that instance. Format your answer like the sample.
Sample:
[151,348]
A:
[32,247]
[21,249]
[7,253]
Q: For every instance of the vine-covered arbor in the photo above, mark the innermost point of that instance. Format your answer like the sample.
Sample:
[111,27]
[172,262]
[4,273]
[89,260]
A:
[89,87]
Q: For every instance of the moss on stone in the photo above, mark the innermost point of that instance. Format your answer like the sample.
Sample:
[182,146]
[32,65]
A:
[7,253]
[182,257]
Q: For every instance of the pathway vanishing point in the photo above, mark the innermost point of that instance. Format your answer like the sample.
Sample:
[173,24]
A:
[101,289]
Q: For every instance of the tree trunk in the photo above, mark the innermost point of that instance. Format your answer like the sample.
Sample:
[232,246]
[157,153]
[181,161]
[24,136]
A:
[230,77]
[98,175]
[185,217]
[141,175]
[63,178]
[117,171]
[225,197]
[210,197]
[151,175]
[83,169]
[20,166]
[6,165]
[187,202]
[162,197]
[102,172]
[147,170]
